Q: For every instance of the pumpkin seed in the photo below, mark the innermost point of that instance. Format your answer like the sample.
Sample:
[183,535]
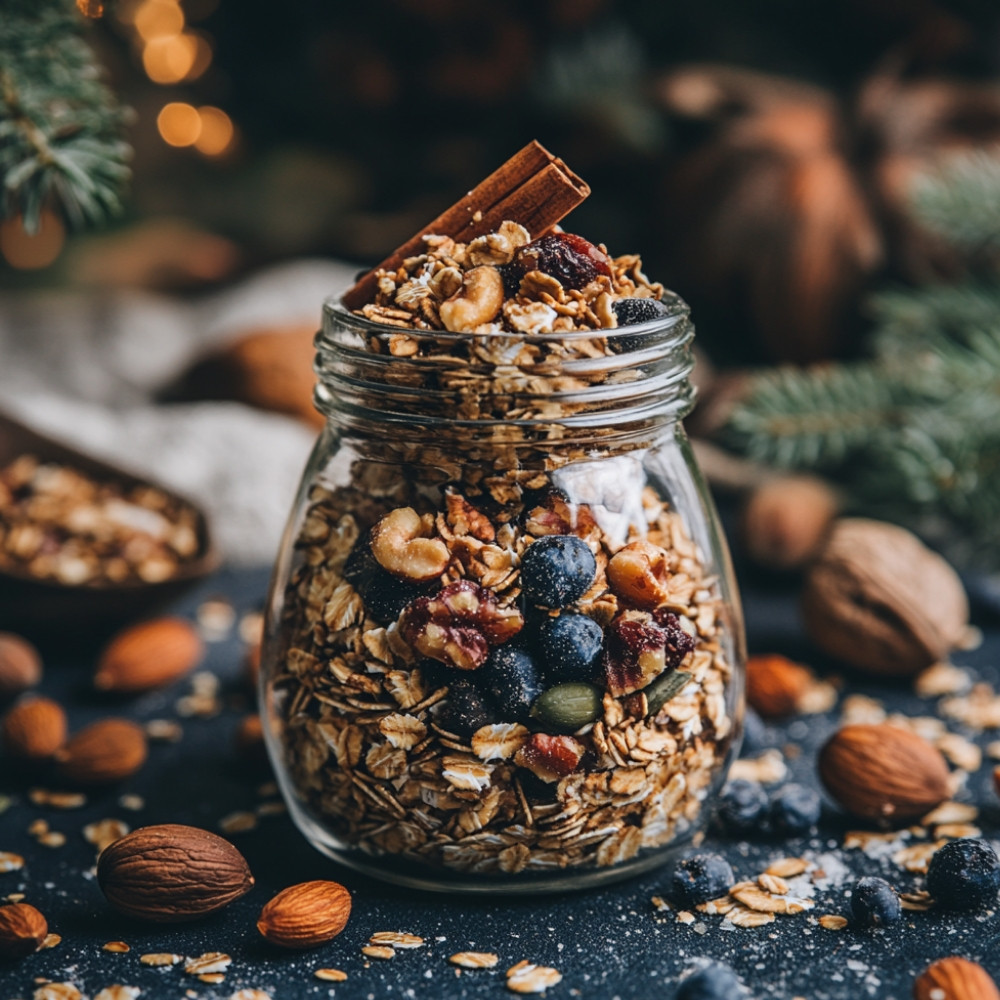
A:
[664,688]
[567,707]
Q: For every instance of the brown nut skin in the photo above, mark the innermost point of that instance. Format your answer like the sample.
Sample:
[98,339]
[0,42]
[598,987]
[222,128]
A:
[639,574]
[881,773]
[102,753]
[476,302]
[786,519]
[879,599]
[149,655]
[171,873]
[305,915]
[955,978]
[775,684]
[20,665]
[34,729]
[400,545]
[22,930]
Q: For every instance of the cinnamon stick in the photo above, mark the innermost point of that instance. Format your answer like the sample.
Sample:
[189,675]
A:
[533,188]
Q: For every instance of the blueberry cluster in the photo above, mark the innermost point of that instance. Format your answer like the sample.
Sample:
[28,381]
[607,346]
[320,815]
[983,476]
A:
[746,810]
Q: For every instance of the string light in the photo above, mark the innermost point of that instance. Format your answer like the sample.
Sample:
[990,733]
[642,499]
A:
[32,251]
[179,124]
[216,131]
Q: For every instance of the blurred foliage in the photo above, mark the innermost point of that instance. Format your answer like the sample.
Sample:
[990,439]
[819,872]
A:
[913,434]
[61,127]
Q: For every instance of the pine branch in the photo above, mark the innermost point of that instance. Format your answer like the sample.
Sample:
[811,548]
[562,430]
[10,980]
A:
[960,202]
[61,128]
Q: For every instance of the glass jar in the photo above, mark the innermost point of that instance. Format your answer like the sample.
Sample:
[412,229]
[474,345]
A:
[503,648]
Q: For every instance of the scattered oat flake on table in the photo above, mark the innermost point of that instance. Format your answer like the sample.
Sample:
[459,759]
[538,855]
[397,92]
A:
[951,812]
[132,802]
[118,992]
[105,832]
[919,900]
[396,939]
[57,991]
[57,800]
[475,959]
[51,940]
[215,618]
[238,822]
[528,978]
[250,994]
[957,831]
[960,751]
[118,947]
[52,838]
[860,709]
[164,731]
[742,916]
[330,975]
[917,857]
[209,962]
[773,883]
[941,679]
[764,902]
[833,922]
[660,903]
[10,862]
[271,809]
[787,867]
[685,917]
[157,958]
[378,951]
[212,977]
[767,769]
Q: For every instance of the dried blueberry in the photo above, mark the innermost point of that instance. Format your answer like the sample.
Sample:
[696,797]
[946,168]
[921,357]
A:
[569,258]
[874,903]
[384,595]
[964,875]
[557,570]
[713,982]
[795,809]
[754,733]
[465,711]
[571,647]
[700,878]
[628,312]
[509,679]
[742,807]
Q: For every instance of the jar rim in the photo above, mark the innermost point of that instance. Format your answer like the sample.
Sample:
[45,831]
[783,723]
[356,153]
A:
[334,310]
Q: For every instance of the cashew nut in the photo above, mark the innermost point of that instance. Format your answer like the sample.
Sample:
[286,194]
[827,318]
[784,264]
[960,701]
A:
[477,301]
[400,544]
[639,574]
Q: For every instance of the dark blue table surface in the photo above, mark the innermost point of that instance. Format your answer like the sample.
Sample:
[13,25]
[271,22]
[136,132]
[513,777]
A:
[610,943]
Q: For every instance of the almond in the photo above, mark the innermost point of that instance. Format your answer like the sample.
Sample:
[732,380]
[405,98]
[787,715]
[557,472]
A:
[34,729]
[878,772]
[148,656]
[955,979]
[20,665]
[22,930]
[306,915]
[103,752]
[170,873]
[775,685]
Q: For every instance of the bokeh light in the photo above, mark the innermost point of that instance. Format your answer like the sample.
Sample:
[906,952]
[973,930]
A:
[158,19]
[170,59]
[179,124]
[202,54]
[32,251]
[216,131]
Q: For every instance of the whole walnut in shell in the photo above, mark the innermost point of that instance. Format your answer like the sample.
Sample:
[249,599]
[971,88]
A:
[879,599]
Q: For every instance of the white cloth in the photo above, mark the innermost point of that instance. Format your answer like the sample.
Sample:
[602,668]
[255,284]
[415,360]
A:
[84,368]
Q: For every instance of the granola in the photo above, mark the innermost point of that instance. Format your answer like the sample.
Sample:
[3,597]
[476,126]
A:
[58,523]
[379,750]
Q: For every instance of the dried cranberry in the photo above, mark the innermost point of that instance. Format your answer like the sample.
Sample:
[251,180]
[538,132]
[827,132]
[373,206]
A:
[571,259]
